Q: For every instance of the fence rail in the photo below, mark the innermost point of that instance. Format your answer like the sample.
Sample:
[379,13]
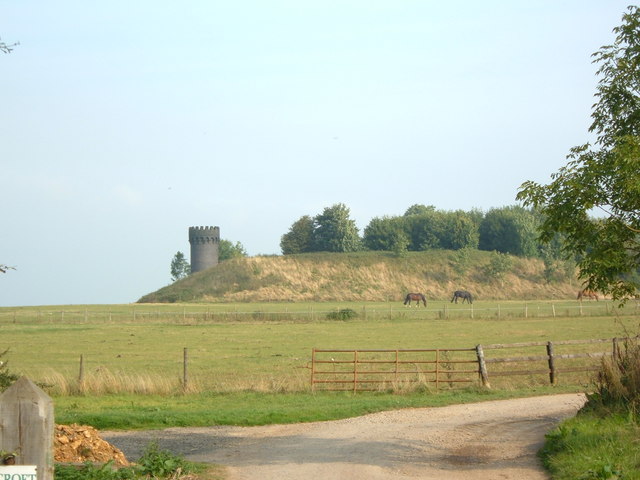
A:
[371,370]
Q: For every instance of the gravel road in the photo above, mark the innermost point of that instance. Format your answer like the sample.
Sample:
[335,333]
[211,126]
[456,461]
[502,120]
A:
[495,440]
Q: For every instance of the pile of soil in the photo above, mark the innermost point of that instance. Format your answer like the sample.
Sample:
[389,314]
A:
[81,443]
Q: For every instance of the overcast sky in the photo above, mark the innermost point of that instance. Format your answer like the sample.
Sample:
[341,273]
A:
[123,123]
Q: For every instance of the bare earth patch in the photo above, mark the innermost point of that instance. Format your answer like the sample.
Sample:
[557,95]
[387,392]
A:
[487,440]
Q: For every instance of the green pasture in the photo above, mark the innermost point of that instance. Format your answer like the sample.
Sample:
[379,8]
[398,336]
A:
[249,363]
[243,348]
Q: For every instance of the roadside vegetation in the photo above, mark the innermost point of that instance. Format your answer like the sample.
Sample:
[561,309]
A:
[154,463]
[602,441]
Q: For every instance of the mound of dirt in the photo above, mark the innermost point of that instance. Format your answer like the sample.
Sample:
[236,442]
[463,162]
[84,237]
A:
[80,443]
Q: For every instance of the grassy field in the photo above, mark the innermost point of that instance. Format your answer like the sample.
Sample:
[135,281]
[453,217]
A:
[248,363]
[263,347]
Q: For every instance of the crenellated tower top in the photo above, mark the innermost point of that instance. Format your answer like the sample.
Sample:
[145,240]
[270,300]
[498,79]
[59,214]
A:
[205,243]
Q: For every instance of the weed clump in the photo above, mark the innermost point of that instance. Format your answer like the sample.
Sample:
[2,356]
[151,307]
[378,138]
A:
[154,463]
[344,314]
[618,380]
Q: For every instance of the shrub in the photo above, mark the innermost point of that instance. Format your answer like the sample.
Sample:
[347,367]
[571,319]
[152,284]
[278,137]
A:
[6,378]
[158,463]
[344,314]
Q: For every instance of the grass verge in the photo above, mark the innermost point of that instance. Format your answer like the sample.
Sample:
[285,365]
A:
[131,412]
[590,446]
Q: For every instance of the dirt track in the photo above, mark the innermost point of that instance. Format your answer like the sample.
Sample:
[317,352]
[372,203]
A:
[489,440]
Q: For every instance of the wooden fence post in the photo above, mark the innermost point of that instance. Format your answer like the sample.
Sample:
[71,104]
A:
[81,373]
[482,367]
[185,377]
[616,350]
[313,370]
[355,371]
[552,367]
[437,369]
[26,426]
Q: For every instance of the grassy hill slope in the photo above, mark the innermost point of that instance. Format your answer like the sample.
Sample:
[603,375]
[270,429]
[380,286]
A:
[364,276]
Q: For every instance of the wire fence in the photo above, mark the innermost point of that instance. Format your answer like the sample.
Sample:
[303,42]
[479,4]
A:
[203,314]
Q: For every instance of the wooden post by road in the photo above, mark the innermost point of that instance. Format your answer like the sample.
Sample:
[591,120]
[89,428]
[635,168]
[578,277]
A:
[482,367]
[552,367]
[26,426]
[185,373]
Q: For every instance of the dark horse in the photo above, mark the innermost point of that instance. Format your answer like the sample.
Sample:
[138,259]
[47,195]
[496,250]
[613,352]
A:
[586,293]
[415,297]
[463,294]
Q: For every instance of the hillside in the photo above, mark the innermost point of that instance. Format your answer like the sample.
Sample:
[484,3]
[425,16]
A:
[365,276]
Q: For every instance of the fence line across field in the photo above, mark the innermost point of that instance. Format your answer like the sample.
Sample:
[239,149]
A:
[370,370]
[445,311]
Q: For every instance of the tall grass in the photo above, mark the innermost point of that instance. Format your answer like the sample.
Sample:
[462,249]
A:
[362,276]
[103,381]
[618,381]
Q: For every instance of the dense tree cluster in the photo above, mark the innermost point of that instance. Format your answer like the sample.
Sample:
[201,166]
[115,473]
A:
[330,231]
[507,230]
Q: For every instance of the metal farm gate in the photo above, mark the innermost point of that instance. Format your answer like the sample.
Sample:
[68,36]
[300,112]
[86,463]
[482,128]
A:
[379,370]
[373,370]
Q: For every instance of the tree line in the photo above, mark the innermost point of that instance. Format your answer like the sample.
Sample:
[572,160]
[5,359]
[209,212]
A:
[509,230]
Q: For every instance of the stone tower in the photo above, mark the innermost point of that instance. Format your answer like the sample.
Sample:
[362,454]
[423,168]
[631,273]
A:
[205,242]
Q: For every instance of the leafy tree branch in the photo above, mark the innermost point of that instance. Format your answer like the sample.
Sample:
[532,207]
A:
[604,177]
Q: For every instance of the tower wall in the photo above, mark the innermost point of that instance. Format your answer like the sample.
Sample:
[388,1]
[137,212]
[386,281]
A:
[205,244]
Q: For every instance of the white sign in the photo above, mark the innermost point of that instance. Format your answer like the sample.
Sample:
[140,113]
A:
[18,472]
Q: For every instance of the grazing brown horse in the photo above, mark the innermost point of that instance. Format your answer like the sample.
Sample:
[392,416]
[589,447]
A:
[463,294]
[586,293]
[415,297]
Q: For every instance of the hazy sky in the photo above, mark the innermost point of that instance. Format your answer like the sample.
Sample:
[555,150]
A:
[123,123]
